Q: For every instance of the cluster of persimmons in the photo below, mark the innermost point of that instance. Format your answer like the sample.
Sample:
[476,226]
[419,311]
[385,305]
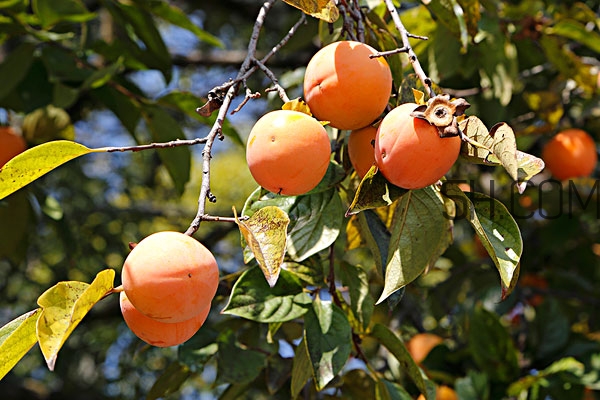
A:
[169,280]
[348,87]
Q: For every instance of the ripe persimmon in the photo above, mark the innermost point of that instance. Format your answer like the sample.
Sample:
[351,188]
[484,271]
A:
[570,153]
[11,144]
[421,344]
[346,87]
[170,277]
[288,152]
[361,149]
[409,151]
[156,333]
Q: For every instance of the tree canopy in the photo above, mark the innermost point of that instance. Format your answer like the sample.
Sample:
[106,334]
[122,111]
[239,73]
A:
[136,116]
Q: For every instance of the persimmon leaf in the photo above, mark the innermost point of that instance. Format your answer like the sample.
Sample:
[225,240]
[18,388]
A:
[16,339]
[251,298]
[497,230]
[325,10]
[265,233]
[36,162]
[421,232]
[64,305]
[398,349]
[297,105]
[505,148]
[374,191]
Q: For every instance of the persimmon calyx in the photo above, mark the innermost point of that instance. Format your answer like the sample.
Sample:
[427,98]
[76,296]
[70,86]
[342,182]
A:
[441,112]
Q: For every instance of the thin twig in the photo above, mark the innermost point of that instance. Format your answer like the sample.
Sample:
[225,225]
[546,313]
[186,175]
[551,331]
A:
[405,43]
[173,143]
[276,86]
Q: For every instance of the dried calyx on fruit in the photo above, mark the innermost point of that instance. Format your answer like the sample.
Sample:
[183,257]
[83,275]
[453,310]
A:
[441,112]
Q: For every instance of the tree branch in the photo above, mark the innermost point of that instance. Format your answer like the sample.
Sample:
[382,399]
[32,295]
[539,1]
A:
[216,130]
[404,34]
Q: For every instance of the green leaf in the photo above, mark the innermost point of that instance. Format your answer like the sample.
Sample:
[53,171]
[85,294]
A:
[377,236]
[36,162]
[63,65]
[252,298]
[577,31]
[497,230]
[52,11]
[532,382]
[265,234]
[169,381]
[311,273]
[374,191]
[10,3]
[361,301]
[491,346]
[552,329]
[497,63]
[15,67]
[316,221]
[15,213]
[474,386]
[196,352]
[386,390]
[125,108]
[47,124]
[301,369]
[328,339]
[395,346]
[174,15]
[64,306]
[16,338]
[101,76]
[325,10]
[177,160]
[140,26]
[421,232]
[569,64]
[237,364]
[358,384]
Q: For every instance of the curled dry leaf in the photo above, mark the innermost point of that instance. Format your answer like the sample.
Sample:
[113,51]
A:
[441,112]
[215,100]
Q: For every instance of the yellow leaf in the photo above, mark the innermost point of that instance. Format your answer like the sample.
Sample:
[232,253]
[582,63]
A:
[265,232]
[419,97]
[64,306]
[297,105]
[325,10]
[16,339]
[36,162]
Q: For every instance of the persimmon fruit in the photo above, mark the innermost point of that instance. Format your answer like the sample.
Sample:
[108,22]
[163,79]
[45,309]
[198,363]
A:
[170,277]
[288,152]
[361,149]
[421,344]
[346,87]
[11,144]
[409,151]
[571,153]
[157,333]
